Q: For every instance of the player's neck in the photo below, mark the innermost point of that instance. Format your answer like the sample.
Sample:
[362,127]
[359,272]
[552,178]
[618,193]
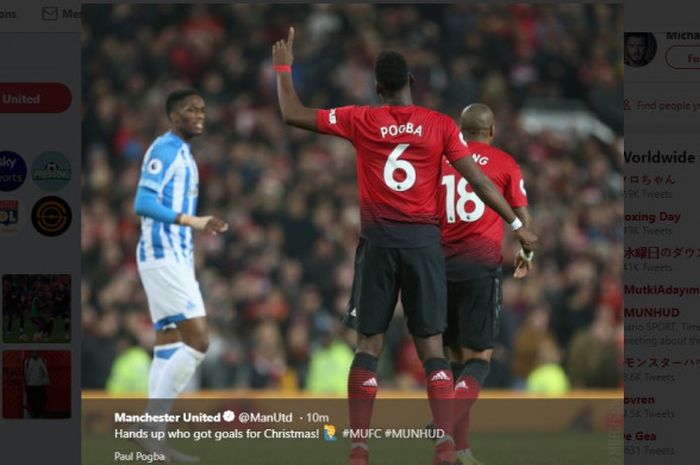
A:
[400,99]
[180,134]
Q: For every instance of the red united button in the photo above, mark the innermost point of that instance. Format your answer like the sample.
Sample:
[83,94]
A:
[34,97]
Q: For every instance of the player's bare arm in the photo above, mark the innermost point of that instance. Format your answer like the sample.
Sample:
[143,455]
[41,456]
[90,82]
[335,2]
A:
[523,260]
[293,111]
[485,189]
[524,215]
[147,205]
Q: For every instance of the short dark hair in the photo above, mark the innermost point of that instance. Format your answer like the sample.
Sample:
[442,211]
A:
[391,70]
[175,97]
[642,35]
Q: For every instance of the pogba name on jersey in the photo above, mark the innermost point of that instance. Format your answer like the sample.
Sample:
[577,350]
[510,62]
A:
[394,130]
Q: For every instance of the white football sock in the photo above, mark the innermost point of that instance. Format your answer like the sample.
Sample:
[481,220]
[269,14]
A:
[174,375]
[161,354]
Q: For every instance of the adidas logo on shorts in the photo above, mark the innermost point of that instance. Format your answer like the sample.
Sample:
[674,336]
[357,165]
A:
[372,382]
[440,376]
[461,385]
[353,312]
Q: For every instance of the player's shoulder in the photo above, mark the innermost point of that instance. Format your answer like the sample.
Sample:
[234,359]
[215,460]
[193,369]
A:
[508,159]
[351,109]
[495,153]
[345,113]
[361,111]
[167,146]
[435,115]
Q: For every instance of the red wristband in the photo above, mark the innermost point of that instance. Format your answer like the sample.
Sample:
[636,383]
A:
[282,68]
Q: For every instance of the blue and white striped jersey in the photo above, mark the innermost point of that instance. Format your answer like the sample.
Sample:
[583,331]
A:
[170,171]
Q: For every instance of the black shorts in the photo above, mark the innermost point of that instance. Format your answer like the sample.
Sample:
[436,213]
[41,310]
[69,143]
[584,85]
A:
[473,313]
[381,272]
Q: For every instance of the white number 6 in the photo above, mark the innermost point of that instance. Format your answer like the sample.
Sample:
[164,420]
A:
[392,164]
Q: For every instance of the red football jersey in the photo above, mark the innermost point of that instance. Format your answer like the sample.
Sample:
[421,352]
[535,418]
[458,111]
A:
[472,233]
[399,154]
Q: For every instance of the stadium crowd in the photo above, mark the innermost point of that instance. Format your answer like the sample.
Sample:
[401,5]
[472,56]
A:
[277,282]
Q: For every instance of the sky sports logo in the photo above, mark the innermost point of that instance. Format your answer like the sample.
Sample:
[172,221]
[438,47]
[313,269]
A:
[13,171]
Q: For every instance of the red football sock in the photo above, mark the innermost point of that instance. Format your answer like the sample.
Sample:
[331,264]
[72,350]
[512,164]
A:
[362,389]
[439,384]
[466,392]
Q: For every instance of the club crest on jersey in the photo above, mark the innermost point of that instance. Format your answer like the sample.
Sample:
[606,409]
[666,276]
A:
[395,130]
[155,166]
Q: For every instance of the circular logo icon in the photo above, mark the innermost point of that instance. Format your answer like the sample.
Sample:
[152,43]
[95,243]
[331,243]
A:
[51,171]
[13,171]
[51,216]
[155,166]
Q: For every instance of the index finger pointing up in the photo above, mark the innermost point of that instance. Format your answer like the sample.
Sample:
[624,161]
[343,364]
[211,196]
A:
[290,37]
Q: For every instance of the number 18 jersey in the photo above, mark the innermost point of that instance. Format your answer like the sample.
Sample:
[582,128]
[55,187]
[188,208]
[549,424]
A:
[472,233]
[399,154]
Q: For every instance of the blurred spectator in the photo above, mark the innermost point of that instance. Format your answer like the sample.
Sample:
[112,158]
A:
[548,377]
[130,368]
[594,355]
[268,357]
[330,362]
[528,339]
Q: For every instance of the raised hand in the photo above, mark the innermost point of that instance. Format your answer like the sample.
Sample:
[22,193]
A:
[282,50]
